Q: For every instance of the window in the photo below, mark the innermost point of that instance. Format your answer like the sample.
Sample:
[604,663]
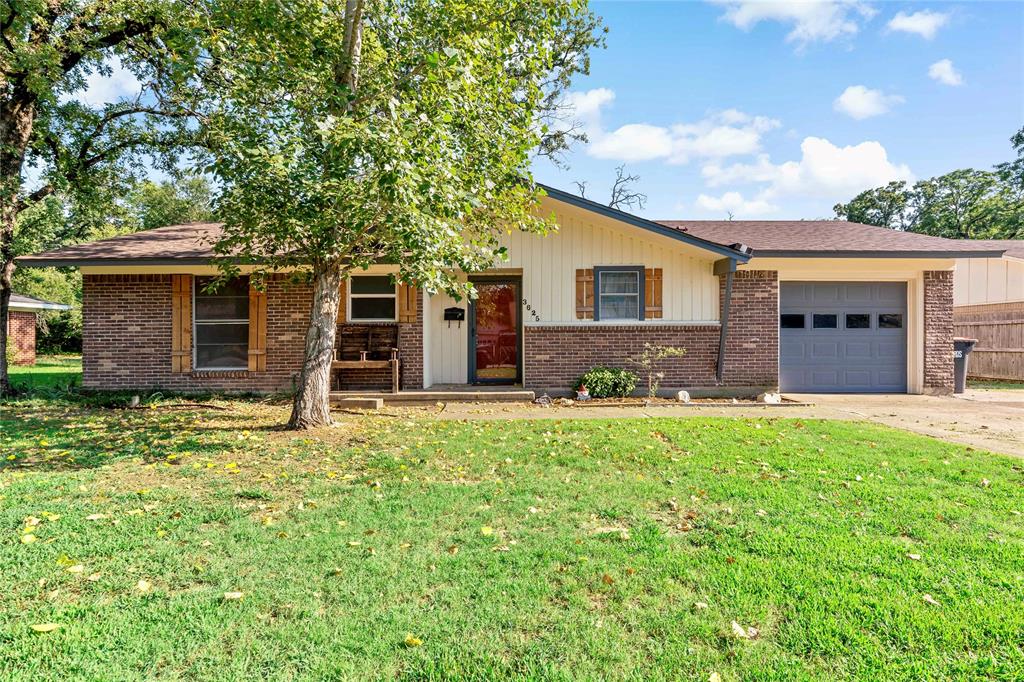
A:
[890,320]
[791,321]
[222,324]
[825,321]
[858,321]
[619,293]
[372,298]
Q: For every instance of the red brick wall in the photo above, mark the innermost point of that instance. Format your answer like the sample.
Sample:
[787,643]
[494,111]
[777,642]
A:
[938,331]
[126,337]
[21,335]
[555,356]
[127,340]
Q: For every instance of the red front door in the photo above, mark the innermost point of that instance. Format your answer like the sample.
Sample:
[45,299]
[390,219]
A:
[494,332]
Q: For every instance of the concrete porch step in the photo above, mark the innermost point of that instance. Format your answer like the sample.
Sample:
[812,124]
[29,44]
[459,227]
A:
[466,395]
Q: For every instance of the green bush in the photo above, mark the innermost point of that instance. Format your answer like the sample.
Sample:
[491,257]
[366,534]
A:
[607,382]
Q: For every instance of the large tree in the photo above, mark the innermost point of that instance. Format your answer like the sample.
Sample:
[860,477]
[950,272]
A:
[48,50]
[364,131]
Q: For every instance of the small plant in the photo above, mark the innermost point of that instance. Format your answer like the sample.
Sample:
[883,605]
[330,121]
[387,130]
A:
[607,382]
[649,360]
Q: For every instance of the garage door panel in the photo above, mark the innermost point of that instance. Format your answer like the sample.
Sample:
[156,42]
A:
[856,356]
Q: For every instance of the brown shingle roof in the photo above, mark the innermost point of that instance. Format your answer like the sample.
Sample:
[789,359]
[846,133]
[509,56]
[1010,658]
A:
[1014,247]
[187,243]
[828,237]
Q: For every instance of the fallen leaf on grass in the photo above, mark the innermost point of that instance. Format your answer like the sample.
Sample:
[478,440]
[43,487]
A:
[77,568]
[94,577]
[929,599]
[699,606]
[233,596]
[486,530]
[714,677]
[45,627]
[95,517]
[412,641]
[607,579]
[914,557]
[28,539]
[144,586]
[744,633]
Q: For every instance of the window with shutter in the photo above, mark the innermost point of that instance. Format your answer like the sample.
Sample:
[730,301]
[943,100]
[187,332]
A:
[619,292]
[222,324]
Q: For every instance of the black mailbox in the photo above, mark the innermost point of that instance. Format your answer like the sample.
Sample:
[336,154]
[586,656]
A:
[454,314]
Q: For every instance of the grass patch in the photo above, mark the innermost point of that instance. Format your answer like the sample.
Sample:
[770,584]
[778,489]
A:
[995,385]
[402,547]
[50,373]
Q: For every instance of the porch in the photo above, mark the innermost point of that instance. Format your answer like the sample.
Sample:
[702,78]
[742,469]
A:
[446,393]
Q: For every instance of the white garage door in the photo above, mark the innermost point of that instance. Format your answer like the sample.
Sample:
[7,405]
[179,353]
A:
[843,337]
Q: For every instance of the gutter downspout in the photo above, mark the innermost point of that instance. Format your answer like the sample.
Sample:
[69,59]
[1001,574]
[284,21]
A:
[727,267]
[724,333]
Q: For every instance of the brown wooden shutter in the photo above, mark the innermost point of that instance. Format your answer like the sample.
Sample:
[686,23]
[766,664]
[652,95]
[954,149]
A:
[257,330]
[408,302]
[652,294]
[585,294]
[181,323]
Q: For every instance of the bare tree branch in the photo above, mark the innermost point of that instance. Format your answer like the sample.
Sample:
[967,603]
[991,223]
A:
[623,195]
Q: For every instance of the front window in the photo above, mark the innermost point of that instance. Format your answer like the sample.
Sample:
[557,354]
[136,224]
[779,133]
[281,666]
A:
[372,298]
[222,324]
[620,293]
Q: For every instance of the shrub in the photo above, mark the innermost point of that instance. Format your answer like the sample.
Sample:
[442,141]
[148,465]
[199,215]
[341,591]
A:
[607,382]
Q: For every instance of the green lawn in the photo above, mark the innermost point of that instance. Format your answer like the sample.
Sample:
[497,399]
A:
[50,373]
[994,384]
[403,547]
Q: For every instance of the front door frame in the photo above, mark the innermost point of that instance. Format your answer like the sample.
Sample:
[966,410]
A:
[517,282]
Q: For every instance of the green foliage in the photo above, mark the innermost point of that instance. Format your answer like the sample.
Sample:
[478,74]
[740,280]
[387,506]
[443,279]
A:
[408,145]
[649,361]
[607,382]
[963,204]
[189,199]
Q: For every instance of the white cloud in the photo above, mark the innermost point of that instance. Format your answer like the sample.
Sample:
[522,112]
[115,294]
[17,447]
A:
[101,89]
[718,135]
[925,23]
[944,72]
[861,102]
[824,171]
[811,20]
[733,203]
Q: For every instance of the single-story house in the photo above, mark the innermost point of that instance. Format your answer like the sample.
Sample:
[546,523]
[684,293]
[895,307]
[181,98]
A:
[825,306]
[21,325]
[988,305]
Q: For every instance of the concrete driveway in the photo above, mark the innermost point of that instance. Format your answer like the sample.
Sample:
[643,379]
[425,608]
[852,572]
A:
[988,419]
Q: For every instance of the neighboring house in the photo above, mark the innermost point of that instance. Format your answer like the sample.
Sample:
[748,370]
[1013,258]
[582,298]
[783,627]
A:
[21,326]
[988,305]
[808,305]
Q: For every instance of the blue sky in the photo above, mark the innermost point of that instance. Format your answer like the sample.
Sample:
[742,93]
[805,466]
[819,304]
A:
[779,110]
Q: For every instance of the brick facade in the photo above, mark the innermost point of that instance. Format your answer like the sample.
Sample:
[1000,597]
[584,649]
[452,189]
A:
[21,335]
[938,331]
[127,340]
[555,356]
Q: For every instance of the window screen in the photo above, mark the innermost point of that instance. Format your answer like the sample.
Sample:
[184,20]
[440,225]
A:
[619,293]
[372,298]
[222,324]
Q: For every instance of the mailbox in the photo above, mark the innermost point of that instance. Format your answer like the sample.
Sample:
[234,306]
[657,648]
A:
[454,314]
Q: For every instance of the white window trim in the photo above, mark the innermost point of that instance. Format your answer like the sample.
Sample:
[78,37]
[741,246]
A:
[349,296]
[195,336]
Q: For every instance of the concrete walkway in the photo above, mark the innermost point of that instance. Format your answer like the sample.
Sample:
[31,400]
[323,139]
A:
[985,419]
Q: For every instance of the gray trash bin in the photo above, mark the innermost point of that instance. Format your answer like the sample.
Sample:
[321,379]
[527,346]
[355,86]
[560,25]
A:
[961,350]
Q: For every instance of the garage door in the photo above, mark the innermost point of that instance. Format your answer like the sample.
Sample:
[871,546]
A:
[843,337]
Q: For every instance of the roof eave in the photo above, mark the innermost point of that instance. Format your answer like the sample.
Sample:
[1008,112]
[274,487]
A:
[767,253]
[644,224]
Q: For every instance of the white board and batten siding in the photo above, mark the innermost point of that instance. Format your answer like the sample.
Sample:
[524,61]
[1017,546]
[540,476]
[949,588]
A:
[548,265]
[988,280]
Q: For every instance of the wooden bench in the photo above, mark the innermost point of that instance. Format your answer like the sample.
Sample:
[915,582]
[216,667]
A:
[367,347]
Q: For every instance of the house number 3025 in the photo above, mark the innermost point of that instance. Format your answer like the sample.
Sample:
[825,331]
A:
[530,311]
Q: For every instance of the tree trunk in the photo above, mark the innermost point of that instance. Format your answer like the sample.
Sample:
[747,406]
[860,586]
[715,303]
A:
[312,405]
[16,120]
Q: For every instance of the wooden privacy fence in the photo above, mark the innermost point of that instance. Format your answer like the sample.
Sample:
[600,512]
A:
[999,328]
